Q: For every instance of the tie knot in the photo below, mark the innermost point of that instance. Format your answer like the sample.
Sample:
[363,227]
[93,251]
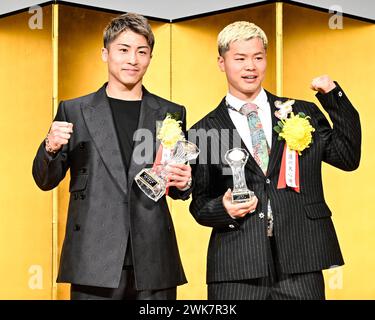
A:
[248,108]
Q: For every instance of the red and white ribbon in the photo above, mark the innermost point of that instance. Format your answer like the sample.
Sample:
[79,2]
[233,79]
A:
[162,156]
[289,170]
[158,158]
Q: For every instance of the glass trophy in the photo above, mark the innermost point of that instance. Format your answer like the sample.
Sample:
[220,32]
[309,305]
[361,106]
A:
[153,181]
[237,159]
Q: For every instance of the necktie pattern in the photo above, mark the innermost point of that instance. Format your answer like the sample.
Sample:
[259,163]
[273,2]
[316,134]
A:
[258,137]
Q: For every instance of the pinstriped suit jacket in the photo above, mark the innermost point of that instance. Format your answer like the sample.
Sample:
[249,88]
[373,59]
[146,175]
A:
[304,233]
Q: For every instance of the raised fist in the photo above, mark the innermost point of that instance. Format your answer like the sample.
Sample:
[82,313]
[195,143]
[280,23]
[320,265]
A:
[59,134]
[323,84]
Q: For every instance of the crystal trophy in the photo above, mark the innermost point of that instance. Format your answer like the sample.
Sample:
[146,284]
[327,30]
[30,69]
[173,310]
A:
[153,181]
[237,159]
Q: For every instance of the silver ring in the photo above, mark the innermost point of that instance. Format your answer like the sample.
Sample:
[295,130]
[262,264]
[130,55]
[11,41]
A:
[252,211]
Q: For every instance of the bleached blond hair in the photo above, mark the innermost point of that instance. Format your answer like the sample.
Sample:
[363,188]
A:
[239,30]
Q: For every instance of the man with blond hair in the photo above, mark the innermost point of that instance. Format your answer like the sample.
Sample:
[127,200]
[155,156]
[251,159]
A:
[276,244]
[119,244]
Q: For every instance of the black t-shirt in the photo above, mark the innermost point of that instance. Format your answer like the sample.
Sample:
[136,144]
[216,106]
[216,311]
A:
[125,115]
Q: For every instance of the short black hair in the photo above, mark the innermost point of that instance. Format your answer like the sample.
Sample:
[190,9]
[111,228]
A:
[128,21]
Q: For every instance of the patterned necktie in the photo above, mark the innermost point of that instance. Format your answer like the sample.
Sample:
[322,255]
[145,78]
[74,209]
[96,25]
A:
[258,138]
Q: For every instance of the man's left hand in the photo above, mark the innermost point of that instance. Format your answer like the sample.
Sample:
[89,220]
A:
[179,175]
[323,84]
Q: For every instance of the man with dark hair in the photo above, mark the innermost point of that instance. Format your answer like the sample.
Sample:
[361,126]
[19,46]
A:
[119,244]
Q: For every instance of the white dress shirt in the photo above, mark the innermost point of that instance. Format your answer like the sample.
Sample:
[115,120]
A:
[240,121]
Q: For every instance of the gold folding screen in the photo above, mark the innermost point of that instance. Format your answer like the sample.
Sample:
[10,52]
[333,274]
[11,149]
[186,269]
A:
[26,113]
[312,48]
[183,69]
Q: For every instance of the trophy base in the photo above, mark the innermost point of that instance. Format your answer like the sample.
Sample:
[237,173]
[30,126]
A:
[242,196]
[151,184]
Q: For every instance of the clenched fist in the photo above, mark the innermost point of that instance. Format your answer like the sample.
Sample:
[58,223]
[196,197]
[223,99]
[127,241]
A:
[59,134]
[323,84]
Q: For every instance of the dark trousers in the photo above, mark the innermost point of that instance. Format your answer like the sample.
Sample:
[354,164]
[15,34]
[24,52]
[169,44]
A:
[277,286]
[125,291]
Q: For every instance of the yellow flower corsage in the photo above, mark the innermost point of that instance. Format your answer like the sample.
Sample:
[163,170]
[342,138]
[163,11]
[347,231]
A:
[296,130]
[170,132]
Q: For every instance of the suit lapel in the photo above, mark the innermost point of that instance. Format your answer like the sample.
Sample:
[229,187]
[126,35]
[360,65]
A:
[100,124]
[145,144]
[277,145]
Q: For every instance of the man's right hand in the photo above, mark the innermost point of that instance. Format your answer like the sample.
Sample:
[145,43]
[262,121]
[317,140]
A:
[59,134]
[238,210]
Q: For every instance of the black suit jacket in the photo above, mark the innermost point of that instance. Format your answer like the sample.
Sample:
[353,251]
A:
[106,204]
[305,236]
